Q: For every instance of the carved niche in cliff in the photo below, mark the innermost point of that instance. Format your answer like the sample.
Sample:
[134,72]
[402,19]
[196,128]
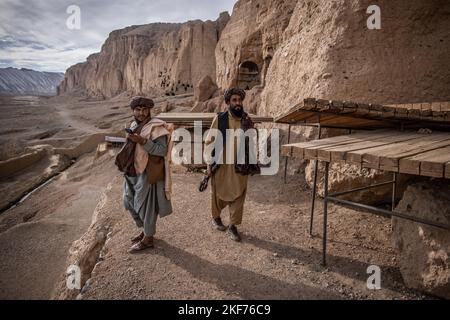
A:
[248,75]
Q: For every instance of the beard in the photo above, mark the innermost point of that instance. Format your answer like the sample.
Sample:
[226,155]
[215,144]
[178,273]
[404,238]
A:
[237,111]
[142,119]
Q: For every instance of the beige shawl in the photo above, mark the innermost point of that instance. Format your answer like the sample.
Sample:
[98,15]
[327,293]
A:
[154,129]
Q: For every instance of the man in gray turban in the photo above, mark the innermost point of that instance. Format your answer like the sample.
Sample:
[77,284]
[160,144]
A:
[146,193]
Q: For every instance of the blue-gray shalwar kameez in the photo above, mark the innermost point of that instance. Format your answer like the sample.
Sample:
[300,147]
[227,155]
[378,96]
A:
[146,201]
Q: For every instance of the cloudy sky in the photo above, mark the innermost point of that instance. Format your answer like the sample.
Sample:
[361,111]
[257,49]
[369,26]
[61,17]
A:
[35,34]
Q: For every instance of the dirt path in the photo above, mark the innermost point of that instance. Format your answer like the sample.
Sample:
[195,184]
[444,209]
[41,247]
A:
[35,236]
[276,260]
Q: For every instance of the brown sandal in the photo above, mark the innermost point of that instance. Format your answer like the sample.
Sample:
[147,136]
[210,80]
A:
[141,245]
[137,238]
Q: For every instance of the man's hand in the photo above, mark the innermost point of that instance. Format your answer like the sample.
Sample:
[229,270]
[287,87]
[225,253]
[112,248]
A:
[137,138]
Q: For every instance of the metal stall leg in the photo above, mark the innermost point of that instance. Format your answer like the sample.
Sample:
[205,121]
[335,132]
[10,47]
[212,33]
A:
[394,190]
[325,215]
[313,198]
[287,158]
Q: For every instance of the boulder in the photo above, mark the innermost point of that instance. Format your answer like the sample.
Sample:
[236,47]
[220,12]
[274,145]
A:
[204,89]
[213,105]
[167,106]
[424,251]
[344,177]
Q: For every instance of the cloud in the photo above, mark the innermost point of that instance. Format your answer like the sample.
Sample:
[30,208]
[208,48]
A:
[33,34]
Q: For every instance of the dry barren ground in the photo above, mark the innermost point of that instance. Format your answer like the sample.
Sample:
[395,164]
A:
[277,258]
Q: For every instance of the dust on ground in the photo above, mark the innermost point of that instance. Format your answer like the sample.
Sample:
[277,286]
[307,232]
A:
[277,258]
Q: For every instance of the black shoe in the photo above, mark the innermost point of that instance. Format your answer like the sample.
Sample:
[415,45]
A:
[233,233]
[218,225]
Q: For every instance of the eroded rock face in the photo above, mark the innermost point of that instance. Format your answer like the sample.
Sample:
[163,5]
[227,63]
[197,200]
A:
[250,40]
[328,52]
[424,252]
[153,59]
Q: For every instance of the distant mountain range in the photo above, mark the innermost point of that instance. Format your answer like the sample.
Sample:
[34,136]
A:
[23,81]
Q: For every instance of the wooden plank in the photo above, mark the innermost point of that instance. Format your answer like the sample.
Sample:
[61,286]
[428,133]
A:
[286,150]
[337,106]
[322,105]
[298,153]
[401,113]
[311,151]
[426,114]
[389,161]
[445,106]
[310,108]
[301,116]
[370,157]
[349,107]
[295,117]
[325,152]
[436,106]
[309,104]
[414,114]
[339,153]
[375,110]
[439,116]
[388,112]
[447,170]
[333,120]
[290,115]
[348,121]
[425,106]
[430,164]
[298,149]
[362,110]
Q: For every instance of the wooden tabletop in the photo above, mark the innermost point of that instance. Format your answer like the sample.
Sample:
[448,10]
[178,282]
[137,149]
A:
[424,154]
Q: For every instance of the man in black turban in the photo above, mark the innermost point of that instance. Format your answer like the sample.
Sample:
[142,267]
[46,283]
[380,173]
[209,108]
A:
[228,185]
[235,106]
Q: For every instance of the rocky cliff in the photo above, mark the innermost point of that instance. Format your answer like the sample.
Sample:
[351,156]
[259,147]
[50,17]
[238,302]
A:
[154,59]
[250,40]
[291,48]
[328,52]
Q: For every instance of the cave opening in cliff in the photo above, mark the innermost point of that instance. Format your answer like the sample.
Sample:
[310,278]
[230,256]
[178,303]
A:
[248,75]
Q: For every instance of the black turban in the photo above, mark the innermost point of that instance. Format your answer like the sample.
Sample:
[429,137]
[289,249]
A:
[141,101]
[233,91]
